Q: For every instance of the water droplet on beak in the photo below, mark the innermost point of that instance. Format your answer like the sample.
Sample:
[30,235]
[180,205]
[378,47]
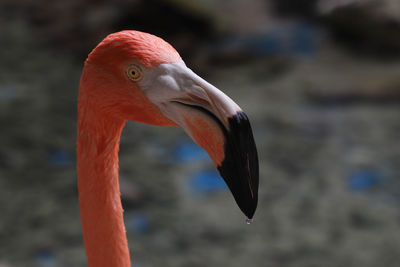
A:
[249,221]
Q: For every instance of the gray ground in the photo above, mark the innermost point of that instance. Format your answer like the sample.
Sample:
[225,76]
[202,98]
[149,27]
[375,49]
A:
[309,146]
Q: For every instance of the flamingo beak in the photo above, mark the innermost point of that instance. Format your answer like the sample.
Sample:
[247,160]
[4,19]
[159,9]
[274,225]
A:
[213,121]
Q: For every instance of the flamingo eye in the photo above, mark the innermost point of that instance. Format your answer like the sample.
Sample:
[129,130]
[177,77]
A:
[134,73]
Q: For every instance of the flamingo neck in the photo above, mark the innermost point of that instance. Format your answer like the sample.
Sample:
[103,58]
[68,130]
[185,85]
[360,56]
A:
[99,195]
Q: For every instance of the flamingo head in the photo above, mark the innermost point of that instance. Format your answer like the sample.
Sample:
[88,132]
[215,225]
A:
[137,76]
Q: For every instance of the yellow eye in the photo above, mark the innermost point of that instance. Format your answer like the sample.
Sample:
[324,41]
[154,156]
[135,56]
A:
[134,73]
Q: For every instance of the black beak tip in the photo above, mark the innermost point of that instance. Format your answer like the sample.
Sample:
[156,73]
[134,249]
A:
[250,209]
[240,166]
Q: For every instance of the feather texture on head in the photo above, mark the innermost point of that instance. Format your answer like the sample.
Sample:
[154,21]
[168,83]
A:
[125,46]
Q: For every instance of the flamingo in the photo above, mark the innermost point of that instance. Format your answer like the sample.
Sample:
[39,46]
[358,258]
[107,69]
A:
[137,76]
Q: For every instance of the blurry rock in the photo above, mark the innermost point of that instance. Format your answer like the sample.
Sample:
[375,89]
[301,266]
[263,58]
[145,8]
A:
[131,195]
[327,6]
[46,258]
[295,39]
[299,8]
[314,9]
[157,150]
[186,151]
[138,223]
[206,181]
[369,26]
[365,28]
[78,26]
[59,158]
[8,92]
[364,179]
[347,83]
[387,8]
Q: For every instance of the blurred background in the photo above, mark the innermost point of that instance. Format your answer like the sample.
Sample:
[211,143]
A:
[319,79]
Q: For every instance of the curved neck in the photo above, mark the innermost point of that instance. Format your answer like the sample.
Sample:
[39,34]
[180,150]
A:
[99,194]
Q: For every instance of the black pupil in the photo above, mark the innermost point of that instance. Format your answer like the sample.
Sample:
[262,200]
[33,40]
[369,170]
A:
[133,73]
